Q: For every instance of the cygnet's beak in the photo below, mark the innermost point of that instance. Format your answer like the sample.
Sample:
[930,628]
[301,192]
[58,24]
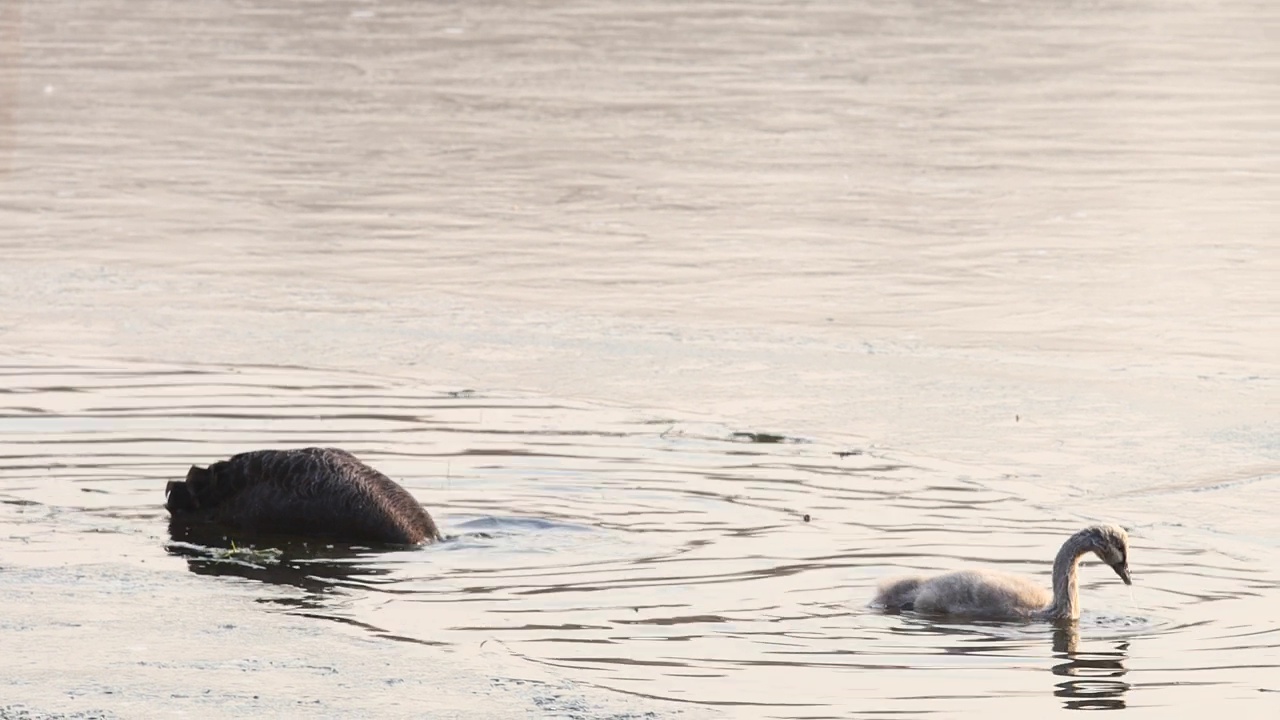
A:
[1122,569]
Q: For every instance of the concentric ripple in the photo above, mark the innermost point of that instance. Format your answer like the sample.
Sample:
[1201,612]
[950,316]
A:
[662,559]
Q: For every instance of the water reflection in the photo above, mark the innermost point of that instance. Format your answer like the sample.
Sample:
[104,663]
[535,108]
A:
[318,569]
[1095,683]
[1093,677]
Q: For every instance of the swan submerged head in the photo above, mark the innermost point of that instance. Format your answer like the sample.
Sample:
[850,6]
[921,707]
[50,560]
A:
[1111,544]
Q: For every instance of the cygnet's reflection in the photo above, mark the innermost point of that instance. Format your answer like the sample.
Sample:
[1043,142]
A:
[1094,682]
[1092,679]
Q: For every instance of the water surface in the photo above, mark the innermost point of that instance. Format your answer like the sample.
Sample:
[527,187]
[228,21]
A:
[614,558]
[1022,257]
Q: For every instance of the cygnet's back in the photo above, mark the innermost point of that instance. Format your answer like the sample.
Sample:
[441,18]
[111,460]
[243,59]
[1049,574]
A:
[316,491]
[981,593]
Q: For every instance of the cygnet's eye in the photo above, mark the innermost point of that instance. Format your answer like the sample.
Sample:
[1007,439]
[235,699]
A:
[1117,555]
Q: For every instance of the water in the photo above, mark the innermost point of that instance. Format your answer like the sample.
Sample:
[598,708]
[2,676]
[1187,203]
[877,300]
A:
[1021,259]
[666,561]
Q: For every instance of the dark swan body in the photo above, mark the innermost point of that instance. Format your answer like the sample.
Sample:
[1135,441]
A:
[321,492]
[991,594]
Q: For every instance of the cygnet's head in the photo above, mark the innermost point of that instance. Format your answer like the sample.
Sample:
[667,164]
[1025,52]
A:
[1111,544]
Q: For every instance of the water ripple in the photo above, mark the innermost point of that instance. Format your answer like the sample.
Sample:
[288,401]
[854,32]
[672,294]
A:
[659,559]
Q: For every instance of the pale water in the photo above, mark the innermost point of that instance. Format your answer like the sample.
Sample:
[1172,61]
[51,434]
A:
[988,271]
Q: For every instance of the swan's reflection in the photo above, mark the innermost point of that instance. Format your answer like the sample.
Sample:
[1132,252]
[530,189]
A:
[1094,682]
[316,568]
[320,570]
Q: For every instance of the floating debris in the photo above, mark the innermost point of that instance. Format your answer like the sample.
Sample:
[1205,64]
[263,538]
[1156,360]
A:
[754,437]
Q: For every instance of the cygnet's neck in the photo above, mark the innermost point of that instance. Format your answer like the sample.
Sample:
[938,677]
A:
[1066,597]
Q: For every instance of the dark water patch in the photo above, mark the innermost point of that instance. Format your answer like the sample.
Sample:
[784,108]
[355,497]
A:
[763,437]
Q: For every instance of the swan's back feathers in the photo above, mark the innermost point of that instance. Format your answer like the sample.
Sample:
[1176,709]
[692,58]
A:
[315,491]
[981,593]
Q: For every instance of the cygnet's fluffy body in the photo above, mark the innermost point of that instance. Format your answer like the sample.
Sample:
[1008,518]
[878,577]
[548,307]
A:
[992,594]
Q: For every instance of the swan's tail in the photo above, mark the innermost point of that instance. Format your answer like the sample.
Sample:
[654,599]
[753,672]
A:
[898,594]
[183,495]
